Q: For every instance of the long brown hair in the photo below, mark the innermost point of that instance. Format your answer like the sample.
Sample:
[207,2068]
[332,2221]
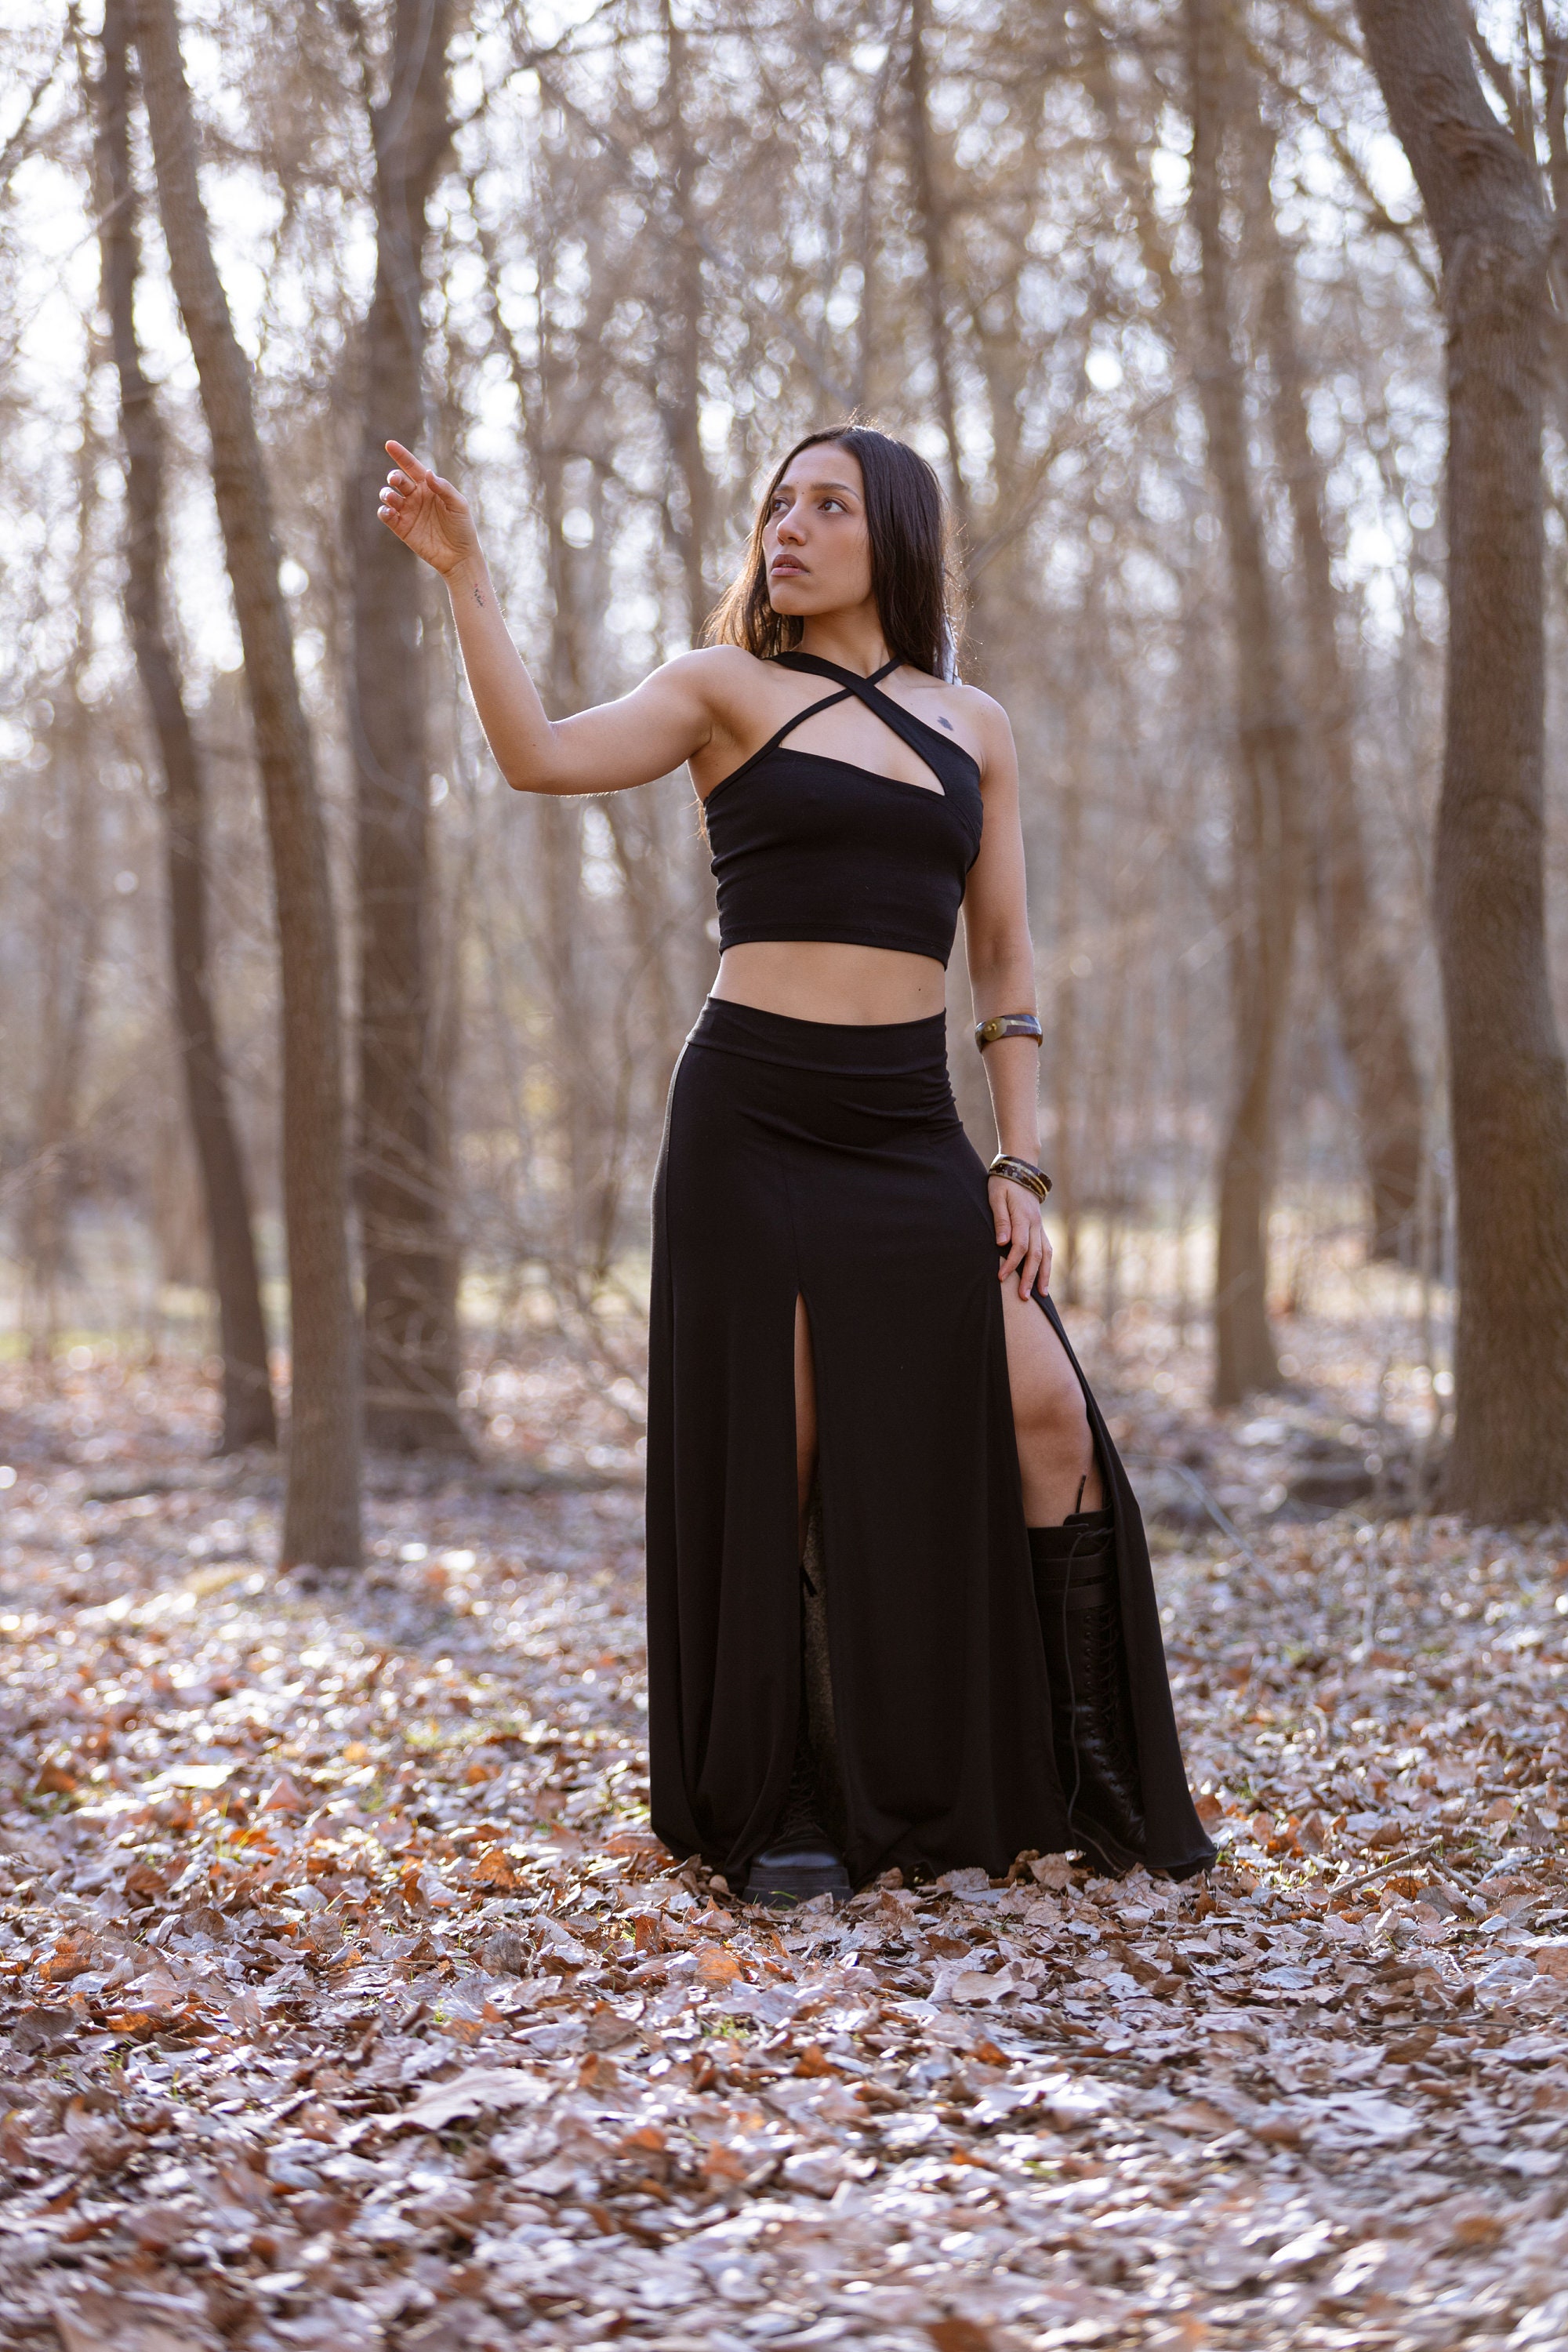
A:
[912,572]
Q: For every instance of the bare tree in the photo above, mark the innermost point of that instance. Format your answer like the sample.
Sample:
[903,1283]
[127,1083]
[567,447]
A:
[412,1356]
[248,1413]
[1369,992]
[1268,752]
[321,1515]
[1508,1457]
[930,214]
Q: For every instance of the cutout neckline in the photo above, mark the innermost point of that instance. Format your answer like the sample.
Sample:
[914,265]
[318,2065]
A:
[864,691]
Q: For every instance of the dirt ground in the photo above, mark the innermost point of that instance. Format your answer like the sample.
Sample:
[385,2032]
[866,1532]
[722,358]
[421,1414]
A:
[347,2001]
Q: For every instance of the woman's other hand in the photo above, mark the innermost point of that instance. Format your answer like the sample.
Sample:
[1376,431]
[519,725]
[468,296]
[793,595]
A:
[1021,1232]
[431,518]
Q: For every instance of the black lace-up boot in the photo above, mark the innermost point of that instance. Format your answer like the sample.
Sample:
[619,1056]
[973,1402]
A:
[803,1858]
[800,1859]
[1091,1717]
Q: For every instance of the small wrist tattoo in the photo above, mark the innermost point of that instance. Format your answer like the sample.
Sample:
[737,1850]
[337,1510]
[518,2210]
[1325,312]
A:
[479,593]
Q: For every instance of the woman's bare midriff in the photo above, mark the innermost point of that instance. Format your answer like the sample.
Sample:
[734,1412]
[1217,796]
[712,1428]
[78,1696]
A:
[823,980]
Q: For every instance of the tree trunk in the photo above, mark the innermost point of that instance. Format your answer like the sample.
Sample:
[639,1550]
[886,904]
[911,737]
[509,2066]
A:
[412,1358]
[1266,831]
[931,220]
[322,1512]
[247,1414]
[1509,1091]
[1369,997]
[681,371]
[68,948]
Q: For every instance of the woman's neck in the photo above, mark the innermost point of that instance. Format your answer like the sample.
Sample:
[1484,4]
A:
[850,640]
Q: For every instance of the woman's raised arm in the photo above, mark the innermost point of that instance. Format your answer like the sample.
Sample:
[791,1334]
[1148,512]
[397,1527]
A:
[647,734]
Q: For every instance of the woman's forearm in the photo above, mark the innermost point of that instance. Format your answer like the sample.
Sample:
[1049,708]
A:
[517,726]
[1012,1064]
[1013,1069]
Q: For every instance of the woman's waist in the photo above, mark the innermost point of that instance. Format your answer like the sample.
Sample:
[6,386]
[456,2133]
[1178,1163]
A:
[832,984]
[877,1049]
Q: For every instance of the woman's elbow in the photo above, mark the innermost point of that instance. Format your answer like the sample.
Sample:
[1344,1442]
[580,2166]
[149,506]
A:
[1005,953]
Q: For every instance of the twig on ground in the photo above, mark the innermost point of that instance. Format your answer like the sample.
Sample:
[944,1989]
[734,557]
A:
[1225,1526]
[1394,1862]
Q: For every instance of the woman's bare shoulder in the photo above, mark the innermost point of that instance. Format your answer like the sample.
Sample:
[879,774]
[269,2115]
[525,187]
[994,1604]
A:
[975,717]
[983,708]
[722,678]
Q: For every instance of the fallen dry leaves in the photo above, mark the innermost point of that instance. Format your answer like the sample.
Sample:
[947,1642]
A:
[347,2002]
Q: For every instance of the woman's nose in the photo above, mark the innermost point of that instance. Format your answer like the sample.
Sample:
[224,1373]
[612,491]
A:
[788,528]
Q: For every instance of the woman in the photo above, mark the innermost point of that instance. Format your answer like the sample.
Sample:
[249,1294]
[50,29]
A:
[900,1606]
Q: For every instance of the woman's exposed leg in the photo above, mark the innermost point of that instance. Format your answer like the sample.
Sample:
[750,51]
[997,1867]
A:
[800,1859]
[1074,1571]
[1055,1453]
[805,1414]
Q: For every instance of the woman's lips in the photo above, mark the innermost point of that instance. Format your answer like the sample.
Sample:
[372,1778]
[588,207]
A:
[781,567]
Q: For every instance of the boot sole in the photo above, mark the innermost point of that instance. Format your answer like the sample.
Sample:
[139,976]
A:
[1107,1850]
[782,1889]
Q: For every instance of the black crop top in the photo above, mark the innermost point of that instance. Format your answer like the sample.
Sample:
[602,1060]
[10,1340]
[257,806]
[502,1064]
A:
[809,847]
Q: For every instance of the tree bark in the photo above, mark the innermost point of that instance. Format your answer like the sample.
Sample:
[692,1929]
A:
[1508,1457]
[1369,997]
[412,1356]
[66,952]
[931,222]
[247,1411]
[680,386]
[322,1511]
[1268,817]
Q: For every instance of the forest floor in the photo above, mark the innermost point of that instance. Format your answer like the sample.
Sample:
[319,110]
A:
[346,1999]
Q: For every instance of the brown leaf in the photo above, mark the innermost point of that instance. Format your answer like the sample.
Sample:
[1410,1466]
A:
[715,1966]
[283,1797]
[608,2029]
[960,2336]
[1054,1870]
[479,2090]
[1198,2115]
[144,1885]
[41,2028]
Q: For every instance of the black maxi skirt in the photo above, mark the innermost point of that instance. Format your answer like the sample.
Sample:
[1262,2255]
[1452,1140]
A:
[806,1159]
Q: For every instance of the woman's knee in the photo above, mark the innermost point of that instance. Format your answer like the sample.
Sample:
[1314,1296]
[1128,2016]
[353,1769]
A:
[1051,1412]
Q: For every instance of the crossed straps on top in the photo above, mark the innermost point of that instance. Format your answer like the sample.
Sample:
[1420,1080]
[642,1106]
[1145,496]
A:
[954,769]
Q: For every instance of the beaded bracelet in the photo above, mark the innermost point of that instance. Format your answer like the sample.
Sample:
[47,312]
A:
[1009,1024]
[1021,1171]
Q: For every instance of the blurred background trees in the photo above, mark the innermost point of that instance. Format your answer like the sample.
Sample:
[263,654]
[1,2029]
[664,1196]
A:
[1154,287]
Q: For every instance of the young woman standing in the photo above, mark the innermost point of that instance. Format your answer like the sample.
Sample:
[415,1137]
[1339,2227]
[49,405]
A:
[862,1407]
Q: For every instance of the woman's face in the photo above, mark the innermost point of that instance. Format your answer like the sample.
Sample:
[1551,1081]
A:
[815,543]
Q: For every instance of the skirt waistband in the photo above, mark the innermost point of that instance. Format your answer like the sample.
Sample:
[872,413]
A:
[880,1049]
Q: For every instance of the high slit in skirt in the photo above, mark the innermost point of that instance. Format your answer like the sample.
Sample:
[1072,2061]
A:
[803,1159]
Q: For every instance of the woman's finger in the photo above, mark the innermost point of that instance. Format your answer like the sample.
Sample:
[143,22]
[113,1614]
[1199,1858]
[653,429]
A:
[402,456]
[1002,1217]
[1046,1257]
[1030,1259]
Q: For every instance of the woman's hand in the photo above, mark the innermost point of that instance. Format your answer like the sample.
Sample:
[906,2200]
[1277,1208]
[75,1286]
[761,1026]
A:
[429,515]
[1021,1232]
